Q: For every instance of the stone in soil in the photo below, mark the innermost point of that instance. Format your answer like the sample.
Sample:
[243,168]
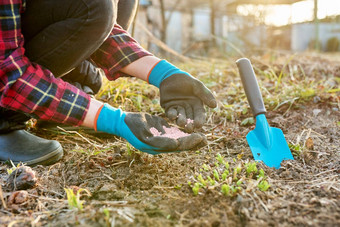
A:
[22,178]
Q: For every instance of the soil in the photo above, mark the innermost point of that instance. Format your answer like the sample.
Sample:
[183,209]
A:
[136,189]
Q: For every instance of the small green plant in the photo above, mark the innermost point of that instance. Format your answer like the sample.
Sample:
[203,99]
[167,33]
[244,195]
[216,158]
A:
[216,175]
[211,181]
[263,185]
[196,188]
[225,174]
[261,174]
[239,182]
[107,216]
[226,165]
[73,199]
[10,170]
[205,167]
[248,121]
[220,159]
[178,186]
[251,168]
[295,148]
[201,180]
[225,189]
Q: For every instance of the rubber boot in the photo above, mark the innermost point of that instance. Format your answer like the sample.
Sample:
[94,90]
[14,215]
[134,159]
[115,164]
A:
[21,146]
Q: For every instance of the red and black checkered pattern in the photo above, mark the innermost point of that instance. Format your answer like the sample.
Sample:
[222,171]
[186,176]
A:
[118,51]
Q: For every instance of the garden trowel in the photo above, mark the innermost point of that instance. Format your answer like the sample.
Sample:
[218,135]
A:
[267,144]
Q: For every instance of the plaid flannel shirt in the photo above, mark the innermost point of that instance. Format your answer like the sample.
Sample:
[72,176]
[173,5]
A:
[31,88]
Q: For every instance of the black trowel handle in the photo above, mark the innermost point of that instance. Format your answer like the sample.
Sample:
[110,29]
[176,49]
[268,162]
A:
[251,86]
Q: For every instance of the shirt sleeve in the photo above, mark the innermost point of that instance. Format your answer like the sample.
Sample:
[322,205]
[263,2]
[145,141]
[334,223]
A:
[118,51]
[28,87]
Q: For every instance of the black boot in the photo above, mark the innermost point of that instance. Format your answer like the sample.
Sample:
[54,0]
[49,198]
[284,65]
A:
[18,145]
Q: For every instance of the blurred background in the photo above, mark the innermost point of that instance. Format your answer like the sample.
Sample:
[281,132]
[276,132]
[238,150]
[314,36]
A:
[233,27]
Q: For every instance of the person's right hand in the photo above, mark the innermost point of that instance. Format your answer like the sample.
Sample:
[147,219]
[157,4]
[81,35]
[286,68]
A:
[135,128]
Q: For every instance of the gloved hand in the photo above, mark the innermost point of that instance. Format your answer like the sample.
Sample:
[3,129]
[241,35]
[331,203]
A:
[135,128]
[182,96]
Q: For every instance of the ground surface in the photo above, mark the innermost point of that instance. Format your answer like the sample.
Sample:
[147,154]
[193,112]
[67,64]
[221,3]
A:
[128,188]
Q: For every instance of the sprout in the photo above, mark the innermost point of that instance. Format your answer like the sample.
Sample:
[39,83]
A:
[216,175]
[196,188]
[263,185]
[225,189]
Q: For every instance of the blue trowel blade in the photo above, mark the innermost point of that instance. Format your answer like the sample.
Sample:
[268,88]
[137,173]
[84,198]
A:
[268,144]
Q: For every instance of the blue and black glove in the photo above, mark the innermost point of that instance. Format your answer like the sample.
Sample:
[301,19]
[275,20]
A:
[182,96]
[135,128]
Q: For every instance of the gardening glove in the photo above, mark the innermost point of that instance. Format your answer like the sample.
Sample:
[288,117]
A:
[182,96]
[135,128]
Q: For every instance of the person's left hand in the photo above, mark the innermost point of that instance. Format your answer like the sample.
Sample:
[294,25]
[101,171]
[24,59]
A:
[183,97]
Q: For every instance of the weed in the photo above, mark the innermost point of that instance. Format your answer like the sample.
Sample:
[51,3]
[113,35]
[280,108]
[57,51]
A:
[216,175]
[201,180]
[10,170]
[225,189]
[220,159]
[248,121]
[205,167]
[211,181]
[178,186]
[251,168]
[229,179]
[196,188]
[261,174]
[225,175]
[295,148]
[73,198]
[263,185]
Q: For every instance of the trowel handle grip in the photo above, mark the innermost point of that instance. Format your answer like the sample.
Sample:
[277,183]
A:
[251,86]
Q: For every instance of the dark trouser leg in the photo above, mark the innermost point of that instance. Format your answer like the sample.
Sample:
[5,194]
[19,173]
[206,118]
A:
[126,12]
[86,76]
[60,34]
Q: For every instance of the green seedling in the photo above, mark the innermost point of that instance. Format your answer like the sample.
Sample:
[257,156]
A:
[189,183]
[211,181]
[295,148]
[201,180]
[217,164]
[239,182]
[226,165]
[196,188]
[107,216]
[248,121]
[220,159]
[10,170]
[225,189]
[235,189]
[178,186]
[251,168]
[205,167]
[237,170]
[225,175]
[73,200]
[263,185]
[261,174]
[216,175]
